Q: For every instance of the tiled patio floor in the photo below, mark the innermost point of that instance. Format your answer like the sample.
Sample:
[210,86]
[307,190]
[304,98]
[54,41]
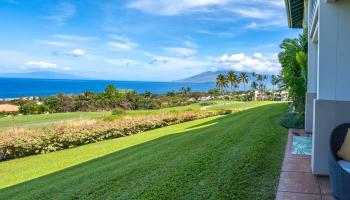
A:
[296,180]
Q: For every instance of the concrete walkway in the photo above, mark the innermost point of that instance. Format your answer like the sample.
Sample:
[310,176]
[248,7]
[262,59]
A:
[296,180]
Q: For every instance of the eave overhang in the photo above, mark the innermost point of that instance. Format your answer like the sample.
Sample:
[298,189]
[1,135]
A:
[295,13]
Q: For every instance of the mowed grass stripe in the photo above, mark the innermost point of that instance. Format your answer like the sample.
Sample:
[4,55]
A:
[236,156]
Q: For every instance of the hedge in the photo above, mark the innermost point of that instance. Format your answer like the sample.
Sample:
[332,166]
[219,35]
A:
[25,142]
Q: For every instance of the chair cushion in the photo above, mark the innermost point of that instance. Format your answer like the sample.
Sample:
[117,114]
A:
[344,151]
[345,165]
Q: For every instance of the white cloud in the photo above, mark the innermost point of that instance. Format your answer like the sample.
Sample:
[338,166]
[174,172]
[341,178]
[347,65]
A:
[120,46]
[122,62]
[254,13]
[276,3]
[216,34]
[54,43]
[252,25]
[255,63]
[121,43]
[120,38]
[248,8]
[40,65]
[166,7]
[190,44]
[62,13]
[158,60]
[177,63]
[76,53]
[181,51]
[75,37]
[267,25]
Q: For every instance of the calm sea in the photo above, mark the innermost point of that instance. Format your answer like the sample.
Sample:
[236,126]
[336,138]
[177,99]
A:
[21,87]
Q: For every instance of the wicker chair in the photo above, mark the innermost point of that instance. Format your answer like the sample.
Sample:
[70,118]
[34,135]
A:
[340,179]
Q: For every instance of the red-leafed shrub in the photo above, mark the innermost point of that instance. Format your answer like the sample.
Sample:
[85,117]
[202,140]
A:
[25,142]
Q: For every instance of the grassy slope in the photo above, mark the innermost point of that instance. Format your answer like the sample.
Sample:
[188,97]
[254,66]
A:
[43,119]
[38,121]
[233,157]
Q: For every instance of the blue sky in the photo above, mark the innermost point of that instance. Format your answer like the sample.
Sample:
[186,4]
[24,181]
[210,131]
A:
[157,40]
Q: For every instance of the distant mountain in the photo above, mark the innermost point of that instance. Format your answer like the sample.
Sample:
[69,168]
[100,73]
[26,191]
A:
[205,77]
[42,75]
[210,77]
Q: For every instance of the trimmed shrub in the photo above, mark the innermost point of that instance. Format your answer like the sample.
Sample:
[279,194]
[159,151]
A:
[33,108]
[224,112]
[206,103]
[25,142]
[292,120]
[118,111]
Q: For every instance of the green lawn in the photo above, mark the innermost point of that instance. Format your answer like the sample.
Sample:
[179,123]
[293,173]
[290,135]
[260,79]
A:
[237,156]
[38,121]
[46,119]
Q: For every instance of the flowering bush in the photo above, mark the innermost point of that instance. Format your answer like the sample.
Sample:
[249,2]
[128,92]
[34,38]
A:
[25,142]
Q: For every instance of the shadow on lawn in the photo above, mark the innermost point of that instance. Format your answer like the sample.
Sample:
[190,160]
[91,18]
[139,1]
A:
[121,166]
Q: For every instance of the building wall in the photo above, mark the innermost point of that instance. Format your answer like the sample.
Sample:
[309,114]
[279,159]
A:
[328,115]
[332,105]
[309,111]
[312,74]
[334,51]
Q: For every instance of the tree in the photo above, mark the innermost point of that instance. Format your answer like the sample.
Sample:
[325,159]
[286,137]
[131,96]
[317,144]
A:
[85,102]
[185,90]
[254,87]
[214,92]
[109,98]
[221,83]
[233,80]
[110,90]
[53,102]
[254,74]
[293,59]
[33,108]
[170,94]
[274,81]
[260,79]
[244,79]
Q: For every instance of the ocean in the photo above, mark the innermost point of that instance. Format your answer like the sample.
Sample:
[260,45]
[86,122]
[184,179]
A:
[24,87]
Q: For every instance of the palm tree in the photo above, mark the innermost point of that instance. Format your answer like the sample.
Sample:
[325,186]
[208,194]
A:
[254,86]
[281,85]
[221,83]
[243,77]
[185,90]
[293,59]
[233,80]
[274,81]
[261,79]
[254,74]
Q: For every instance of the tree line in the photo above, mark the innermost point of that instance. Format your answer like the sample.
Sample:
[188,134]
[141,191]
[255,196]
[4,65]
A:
[109,99]
[233,81]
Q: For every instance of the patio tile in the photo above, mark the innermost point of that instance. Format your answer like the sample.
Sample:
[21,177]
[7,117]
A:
[297,164]
[328,197]
[298,182]
[297,196]
[324,184]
